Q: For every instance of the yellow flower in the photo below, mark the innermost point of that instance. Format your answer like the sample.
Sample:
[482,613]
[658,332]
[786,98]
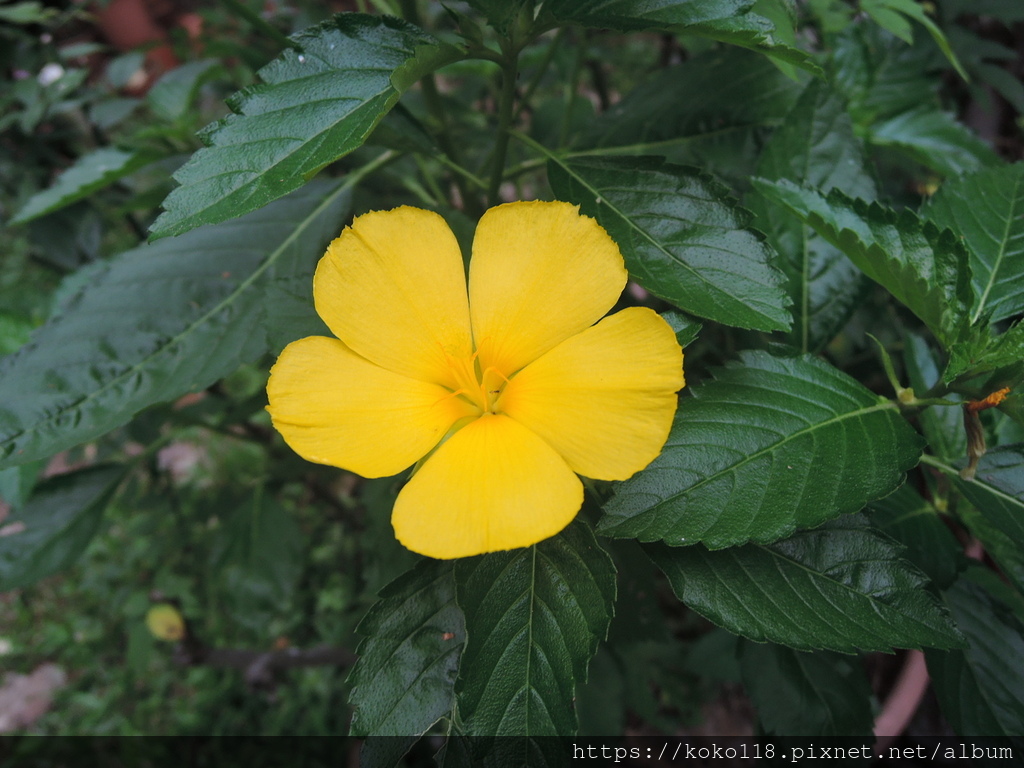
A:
[508,390]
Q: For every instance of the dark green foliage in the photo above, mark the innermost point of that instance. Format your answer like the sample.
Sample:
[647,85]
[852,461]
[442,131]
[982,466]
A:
[796,420]
[808,500]
[842,587]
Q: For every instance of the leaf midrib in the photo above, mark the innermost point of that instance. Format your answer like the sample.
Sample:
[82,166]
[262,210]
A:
[1002,251]
[810,428]
[949,470]
[647,236]
[876,603]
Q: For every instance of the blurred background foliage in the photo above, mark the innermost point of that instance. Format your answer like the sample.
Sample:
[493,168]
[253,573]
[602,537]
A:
[199,504]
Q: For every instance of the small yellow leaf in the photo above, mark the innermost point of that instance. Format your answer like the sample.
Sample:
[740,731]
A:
[165,622]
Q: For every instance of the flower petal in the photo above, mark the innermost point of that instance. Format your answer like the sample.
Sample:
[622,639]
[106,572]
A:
[393,288]
[540,273]
[334,407]
[605,398]
[494,485]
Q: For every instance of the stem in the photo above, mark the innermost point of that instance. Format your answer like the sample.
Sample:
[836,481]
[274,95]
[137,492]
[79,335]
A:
[506,102]
[539,75]
[430,181]
[260,24]
[432,97]
[570,97]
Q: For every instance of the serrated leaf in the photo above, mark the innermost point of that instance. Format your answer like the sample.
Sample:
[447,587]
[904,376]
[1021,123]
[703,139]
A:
[915,524]
[55,525]
[159,321]
[841,587]
[534,618]
[997,489]
[90,173]
[747,452]
[1002,357]
[815,146]
[315,105]
[728,21]
[981,688]
[924,268]
[404,680]
[890,15]
[682,236]
[260,560]
[987,210]
[760,34]
[811,693]
[935,139]
[880,75]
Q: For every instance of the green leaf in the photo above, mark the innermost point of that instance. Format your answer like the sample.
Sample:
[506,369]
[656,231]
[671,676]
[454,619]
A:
[632,15]
[159,321]
[90,173]
[260,560]
[683,237]
[675,107]
[500,13]
[943,426]
[314,106]
[685,328]
[890,15]
[981,688]
[935,139]
[1001,357]
[56,525]
[404,681]
[1007,555]
[880,75]
[29,12]
[924,268]
[16,483]
[916,524]
[987,210]
[810,693]
[173,94]
[747,452]
[997,489]
[534,618]
[815,146]
[840,587]
[757,33]
[726,20]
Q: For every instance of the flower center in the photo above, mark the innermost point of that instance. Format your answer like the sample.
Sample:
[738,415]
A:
[480,386]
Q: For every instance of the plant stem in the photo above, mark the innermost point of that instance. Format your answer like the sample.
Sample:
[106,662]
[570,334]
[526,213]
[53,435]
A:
[444,140]
[261,25]
[506,102]
[542,69]
[570,97]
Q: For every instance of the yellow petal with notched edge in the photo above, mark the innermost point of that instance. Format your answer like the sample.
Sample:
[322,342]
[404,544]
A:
[334,407]
[603,399]
[494,485]
[540,273]
[392,287]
